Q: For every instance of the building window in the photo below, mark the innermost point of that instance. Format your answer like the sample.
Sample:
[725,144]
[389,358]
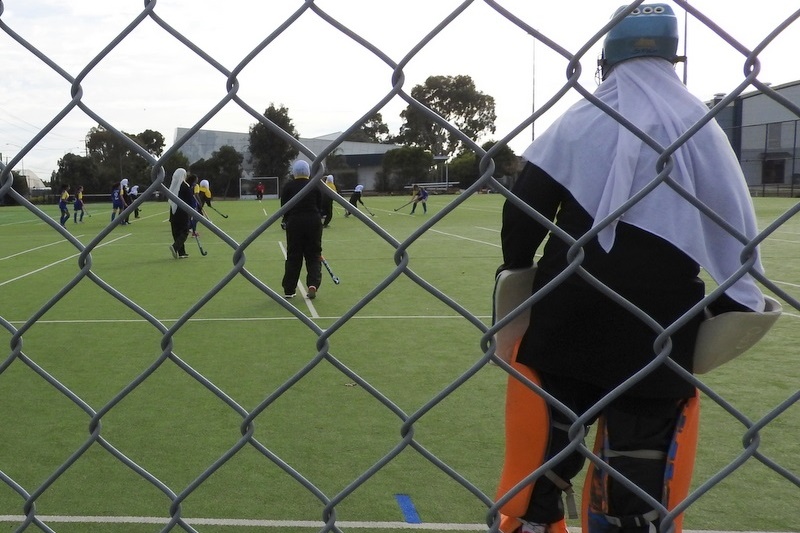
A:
[772,170]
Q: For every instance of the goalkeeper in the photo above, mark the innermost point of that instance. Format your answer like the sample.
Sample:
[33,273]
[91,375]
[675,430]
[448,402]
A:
[583,343]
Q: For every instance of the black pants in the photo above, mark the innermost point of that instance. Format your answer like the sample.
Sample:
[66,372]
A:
[632,423]
[303,242]
[180,232]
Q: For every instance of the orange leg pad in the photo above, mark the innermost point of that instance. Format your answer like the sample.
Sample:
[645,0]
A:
[527,438]
[681,456]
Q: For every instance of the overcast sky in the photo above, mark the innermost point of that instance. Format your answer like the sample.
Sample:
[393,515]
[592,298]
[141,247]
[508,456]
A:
[325,79]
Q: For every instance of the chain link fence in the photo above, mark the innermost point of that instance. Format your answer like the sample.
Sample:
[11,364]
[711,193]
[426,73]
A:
[395,89]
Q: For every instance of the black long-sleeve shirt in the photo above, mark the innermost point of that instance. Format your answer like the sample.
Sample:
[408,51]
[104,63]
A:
[578,331]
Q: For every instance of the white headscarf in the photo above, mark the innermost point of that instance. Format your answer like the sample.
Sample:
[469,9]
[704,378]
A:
[175,186]
[603,165]
[329,178]
[204,184]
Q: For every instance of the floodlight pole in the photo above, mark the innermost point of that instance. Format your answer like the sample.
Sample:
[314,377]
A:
[533,90]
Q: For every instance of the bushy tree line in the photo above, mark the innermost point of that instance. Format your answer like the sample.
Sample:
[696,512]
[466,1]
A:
[453,100]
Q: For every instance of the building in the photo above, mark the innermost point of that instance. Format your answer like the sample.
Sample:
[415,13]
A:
[764,134]
[363,160]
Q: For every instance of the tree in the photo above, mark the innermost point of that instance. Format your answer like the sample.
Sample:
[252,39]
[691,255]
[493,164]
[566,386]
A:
[465,168]
[346,177]
[19,184]
[75,170]
[457,101]
[116,160]
[177,160]
[271,153]
[404,166]
[223,170]
[374,130]
[506,162]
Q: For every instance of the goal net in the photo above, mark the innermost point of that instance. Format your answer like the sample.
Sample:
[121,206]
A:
[248,187]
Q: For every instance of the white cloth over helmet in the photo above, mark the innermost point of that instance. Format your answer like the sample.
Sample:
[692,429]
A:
[300,168]
[603,165]
[175,186]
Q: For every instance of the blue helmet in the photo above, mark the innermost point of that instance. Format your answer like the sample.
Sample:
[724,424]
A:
[650,30]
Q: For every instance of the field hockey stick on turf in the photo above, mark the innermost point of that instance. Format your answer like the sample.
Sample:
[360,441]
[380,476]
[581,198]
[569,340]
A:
[215,209]
[334,277]
[402,206]
[202,252]
[368,211]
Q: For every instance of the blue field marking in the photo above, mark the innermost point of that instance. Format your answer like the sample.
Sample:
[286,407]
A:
[407,508]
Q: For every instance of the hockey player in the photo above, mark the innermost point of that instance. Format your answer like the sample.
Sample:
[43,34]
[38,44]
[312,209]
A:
[581,343]
[420,196]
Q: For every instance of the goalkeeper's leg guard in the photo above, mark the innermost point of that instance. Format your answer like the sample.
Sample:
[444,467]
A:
[596,517]
[527,440]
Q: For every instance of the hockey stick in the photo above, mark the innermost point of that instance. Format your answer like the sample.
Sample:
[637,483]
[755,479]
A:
[334,277]
[202,252]
[367,210]
[215,209]
[402,206]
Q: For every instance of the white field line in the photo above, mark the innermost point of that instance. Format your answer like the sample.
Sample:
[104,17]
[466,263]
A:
[57,262]
[239,522]
[36,248]
[23,222]
[235,522]
[249,319]
[301,287]
[465,238]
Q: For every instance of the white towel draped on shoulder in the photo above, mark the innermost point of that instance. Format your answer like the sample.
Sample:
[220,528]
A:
[603,164]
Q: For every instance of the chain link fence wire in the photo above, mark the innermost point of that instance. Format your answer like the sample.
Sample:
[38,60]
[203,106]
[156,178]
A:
[576,61]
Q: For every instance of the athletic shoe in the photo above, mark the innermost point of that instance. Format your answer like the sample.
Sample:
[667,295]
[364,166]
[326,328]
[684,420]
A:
[312,292]
[288,296]
[195,234]
[183,256]
[174,251]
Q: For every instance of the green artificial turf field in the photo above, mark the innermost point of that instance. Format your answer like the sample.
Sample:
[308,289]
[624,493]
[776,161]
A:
[267,409]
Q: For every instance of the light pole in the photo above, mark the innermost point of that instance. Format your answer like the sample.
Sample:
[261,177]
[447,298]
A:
[533,90]
[440,159]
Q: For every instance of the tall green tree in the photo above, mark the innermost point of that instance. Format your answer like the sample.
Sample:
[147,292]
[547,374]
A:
[271,153]
[404,166]
[456,99]
[374,130]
